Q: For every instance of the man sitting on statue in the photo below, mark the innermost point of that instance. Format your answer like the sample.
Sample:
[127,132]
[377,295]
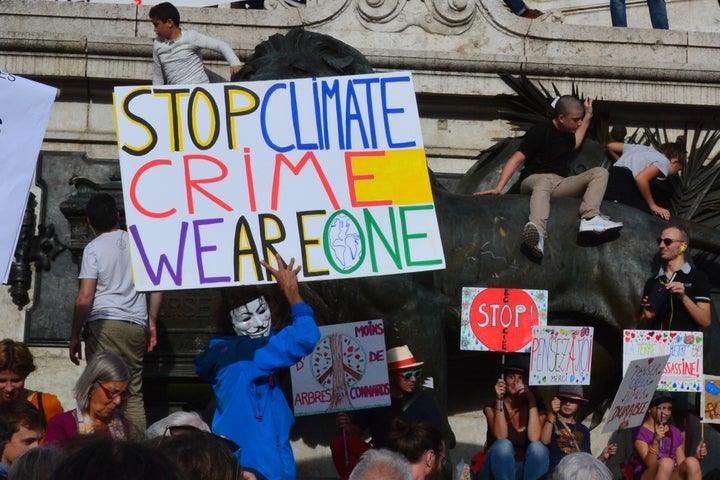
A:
[546,152]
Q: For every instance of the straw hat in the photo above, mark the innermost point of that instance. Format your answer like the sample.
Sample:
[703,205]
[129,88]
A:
[401,357]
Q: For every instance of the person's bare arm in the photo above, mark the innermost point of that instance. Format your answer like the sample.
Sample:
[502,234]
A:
[642,180]
[495,414]
[615,149]
[511,166]
[582,129]
[154,302]
[83,304]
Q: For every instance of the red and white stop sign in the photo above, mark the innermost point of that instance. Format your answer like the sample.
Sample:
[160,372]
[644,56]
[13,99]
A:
[502,318]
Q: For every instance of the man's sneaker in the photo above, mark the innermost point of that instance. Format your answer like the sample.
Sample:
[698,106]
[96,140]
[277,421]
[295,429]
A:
[533,240]
[599,224]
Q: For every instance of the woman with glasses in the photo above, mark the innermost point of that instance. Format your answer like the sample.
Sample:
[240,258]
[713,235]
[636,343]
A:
[514,450]
[423,446]
[564,435]
[16,363]
[101,393]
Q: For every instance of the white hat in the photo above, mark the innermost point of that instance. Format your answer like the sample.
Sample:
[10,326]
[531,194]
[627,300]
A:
[401,357]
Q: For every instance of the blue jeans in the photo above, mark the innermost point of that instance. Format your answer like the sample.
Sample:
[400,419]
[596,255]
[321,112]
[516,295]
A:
[518,7]
[500,463]
[658,13]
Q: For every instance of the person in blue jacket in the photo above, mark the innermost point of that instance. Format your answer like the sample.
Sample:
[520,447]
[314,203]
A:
[251,407]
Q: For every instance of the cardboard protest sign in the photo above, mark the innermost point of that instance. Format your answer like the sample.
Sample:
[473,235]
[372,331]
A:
[710,399]
[636,390]
[561,355]
[25,108]
[330,171]
[346,371]
[684,370]
[500,319]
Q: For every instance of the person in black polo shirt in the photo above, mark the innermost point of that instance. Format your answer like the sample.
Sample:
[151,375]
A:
[678,297]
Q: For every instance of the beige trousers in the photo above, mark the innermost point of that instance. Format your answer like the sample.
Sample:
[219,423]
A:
[590,185]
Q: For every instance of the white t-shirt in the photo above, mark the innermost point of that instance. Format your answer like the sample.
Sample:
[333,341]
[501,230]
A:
[107,260]
[179,61]
[638,157]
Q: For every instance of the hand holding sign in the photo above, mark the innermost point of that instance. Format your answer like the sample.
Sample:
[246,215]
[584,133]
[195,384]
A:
[286,277]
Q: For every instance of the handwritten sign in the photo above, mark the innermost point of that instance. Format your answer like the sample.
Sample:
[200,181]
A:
[710,399]
[331,171]
[561,355]
[500,319]
[24,114]
[636,390]
[346,371]
[684,370]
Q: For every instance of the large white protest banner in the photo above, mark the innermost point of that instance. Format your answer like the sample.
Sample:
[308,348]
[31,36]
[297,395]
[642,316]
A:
[561,355]
[346,371]
[331,171]
[24,114]
[684,369]
[500,319]
[636,390]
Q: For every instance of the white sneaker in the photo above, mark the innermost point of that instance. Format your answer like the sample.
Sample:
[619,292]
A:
[533,240]
[599,224]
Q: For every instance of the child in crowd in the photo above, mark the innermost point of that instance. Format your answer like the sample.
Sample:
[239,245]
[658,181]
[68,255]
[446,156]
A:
[636,167]
[176,52]
[562,434]
[660,448]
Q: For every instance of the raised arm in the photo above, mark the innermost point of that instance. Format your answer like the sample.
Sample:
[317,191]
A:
[582,129]
[495,414]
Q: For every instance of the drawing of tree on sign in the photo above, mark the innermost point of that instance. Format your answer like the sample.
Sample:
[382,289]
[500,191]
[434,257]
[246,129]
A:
[338,363]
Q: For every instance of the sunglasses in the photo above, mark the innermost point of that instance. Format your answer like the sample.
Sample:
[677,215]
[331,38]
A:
[569,400]
[123,394]
[667,241]
[407,376]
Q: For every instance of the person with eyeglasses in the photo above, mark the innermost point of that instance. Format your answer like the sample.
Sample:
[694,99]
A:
[514,449]
[678,296]
[101,393]
[423,446]
[242,363]
[636,167]
[564,435]
[408,401]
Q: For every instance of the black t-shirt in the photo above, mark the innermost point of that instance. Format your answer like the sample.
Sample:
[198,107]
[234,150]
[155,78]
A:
[673,315]
[547,150]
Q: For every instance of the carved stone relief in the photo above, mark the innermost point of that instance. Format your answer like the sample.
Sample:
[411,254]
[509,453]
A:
[448,17]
